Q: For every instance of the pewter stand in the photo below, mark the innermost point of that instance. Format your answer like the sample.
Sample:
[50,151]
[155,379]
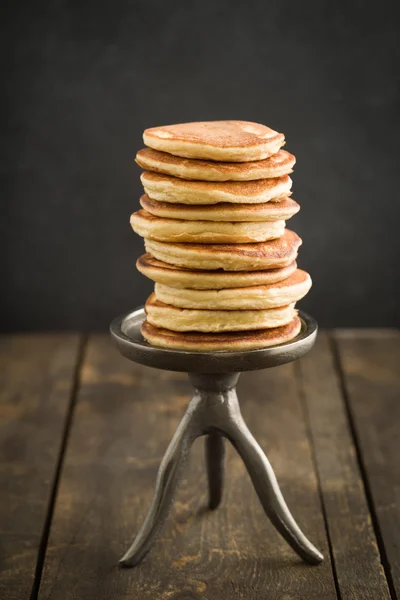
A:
[213,411]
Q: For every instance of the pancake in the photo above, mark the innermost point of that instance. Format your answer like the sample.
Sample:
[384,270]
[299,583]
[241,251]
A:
[229,257]
[223,211]
[256,297]
[231,141]
[176,277]
[231,341]
[165,188]
[204,232]
[278,164]
[181,319]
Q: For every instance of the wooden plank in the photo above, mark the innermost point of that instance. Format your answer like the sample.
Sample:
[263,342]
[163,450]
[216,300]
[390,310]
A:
[371,378]
[355,553]
[125,417]
[35,391]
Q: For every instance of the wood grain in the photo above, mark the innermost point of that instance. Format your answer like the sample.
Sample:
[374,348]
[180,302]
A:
[35,391]
[125,417]
[355,553]
[371,377]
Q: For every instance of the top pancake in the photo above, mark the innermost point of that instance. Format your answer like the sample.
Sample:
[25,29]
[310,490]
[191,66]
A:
[230,141]
[279,164]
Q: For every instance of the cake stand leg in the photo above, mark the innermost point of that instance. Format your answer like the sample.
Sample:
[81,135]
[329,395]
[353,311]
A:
[215,457]
[214,411]
[222,415]
[269,493]
[167,481]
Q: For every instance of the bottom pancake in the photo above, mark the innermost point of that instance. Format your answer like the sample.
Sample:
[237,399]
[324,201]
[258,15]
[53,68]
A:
[182,319]
[227,342]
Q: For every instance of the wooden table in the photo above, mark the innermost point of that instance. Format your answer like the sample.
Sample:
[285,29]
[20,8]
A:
[82,432]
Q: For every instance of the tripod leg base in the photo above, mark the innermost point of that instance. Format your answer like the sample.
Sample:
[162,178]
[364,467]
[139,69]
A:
[167,481]
[215,457]
[269,493]
[215,412]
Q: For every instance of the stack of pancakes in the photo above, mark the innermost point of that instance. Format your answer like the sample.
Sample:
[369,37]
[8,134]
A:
[217,196]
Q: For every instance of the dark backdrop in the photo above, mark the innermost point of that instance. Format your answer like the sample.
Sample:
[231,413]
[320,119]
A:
[83,79]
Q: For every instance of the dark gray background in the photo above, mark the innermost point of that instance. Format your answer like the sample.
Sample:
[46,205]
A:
[82,80]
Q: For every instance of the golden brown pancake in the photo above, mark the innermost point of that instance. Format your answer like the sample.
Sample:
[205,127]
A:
[229,342]
[177,277]
[204,232]
[278,164]
[224,211]
[263,297]
[182,319]
[229,257]
[231,141]
[165,188]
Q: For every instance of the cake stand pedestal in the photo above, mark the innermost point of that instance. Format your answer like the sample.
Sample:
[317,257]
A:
[214,412]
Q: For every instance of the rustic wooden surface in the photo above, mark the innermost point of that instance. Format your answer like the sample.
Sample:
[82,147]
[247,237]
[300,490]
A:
[358,570]
[370,370]
[85,423]
[36,387]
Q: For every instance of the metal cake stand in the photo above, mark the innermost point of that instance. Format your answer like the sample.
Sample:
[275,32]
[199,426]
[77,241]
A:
[214,412]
